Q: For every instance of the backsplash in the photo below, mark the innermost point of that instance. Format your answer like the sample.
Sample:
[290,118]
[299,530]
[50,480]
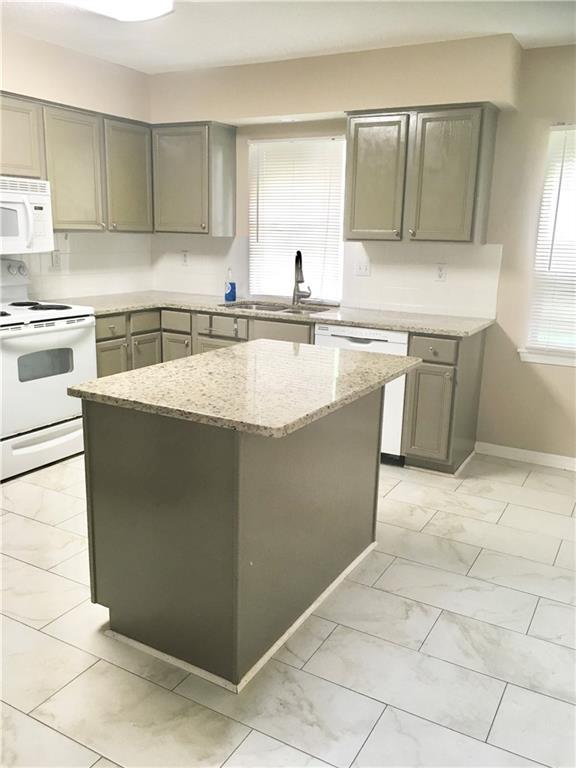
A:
[199,264]
[402,275]
[91,263]
[405,276]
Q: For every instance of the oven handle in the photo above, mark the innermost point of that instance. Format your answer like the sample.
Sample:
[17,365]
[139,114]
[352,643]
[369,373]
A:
[40,443]
[88,322]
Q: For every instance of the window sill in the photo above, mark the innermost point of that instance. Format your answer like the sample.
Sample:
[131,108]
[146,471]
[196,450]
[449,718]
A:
[547,357]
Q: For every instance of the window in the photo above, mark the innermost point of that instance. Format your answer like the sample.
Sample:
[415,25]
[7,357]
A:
[296,203]
[552,325]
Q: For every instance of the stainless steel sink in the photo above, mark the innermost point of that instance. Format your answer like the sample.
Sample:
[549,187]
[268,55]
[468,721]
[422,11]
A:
[303,310]
[263,306]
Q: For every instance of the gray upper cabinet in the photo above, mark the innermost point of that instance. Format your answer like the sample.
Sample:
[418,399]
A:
[195,179]
[128,176]
[443,174]
[22,147]
[375,170]
[181,179]
[75,168]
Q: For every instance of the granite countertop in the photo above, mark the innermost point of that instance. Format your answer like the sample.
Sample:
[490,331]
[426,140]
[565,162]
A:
[414,322]
[265,387]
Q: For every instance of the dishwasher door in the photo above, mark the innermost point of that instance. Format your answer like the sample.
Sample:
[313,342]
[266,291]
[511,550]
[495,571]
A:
[377,341]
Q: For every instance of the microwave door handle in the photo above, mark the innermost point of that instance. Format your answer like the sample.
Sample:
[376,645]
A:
[29,223]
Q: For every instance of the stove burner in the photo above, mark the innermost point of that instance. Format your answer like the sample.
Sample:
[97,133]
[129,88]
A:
[24,303]
[37,306]
[4,314]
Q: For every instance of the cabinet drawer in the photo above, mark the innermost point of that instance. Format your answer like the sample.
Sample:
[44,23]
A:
[220,325]
[271,329]
[141,322]
[434,350]
[176,321]
[110,327]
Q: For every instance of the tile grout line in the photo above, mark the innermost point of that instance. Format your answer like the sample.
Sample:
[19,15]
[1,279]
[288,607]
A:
[223,764]
[371,731]
[47,570]
[557,552]
[55,730]
[527,633]
[473,563]
[430,630]
[56,692]
[496,713]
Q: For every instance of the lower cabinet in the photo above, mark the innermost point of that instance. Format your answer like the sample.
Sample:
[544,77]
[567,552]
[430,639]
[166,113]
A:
[146,349]
[112,357]
[428,411]
[272,329]
[175,346]
[207,344]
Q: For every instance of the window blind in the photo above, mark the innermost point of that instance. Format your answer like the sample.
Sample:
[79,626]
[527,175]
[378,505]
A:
[296,203]
[552,324]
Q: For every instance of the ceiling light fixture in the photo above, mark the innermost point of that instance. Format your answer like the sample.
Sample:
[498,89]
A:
[126,10]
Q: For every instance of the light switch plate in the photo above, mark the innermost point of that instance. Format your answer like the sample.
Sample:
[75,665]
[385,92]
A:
[441,272]
[362,268]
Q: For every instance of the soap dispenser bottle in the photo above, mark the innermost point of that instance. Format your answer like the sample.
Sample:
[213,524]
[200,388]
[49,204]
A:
[229,288]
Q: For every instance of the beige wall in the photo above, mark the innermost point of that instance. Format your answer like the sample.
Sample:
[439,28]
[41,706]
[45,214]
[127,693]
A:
[479,69]
[526,405]
[45,71]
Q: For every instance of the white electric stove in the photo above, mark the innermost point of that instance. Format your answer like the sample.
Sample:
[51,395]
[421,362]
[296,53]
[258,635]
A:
[45,347]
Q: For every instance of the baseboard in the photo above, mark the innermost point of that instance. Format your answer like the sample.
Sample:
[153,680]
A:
[531,457]
[186,666]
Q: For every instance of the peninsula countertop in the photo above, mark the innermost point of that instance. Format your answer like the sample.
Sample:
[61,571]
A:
[268,388]
[413,322]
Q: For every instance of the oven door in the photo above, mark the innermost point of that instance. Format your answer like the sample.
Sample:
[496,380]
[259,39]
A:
[38,365]
[16,224]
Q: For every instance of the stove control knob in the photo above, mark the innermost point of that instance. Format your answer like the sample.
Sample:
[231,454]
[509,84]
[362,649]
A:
[22,270]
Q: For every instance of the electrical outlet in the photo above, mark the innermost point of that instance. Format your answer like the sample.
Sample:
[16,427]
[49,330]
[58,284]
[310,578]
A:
[441,273]
[362,268]
[55,261]
[185,260]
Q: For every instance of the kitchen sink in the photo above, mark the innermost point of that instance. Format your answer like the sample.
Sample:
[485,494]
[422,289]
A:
[263,306]
[304,310]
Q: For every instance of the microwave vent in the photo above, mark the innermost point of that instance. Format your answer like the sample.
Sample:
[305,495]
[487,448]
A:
[17,184]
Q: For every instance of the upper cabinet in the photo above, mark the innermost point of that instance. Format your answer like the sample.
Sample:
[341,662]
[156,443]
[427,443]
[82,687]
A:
[443,174]
[128,176]
[375,171]
[22,146]
[75,168]
[442,195]
[195,179]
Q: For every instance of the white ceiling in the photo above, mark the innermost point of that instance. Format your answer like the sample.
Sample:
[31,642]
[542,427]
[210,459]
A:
[209,34]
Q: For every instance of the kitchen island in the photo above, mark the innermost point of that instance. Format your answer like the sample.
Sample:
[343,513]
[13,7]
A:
[228,492]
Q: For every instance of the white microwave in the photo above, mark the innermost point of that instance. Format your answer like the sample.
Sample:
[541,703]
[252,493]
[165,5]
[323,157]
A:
[25,216]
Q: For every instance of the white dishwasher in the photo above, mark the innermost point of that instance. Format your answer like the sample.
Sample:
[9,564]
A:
[383,342]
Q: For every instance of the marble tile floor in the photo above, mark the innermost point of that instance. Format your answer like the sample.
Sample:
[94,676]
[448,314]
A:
[452,644]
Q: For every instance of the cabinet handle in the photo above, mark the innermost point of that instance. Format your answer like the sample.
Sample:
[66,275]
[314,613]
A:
[113,226]
[103,225]
[125,345]
[136,343]
[396,233]
[112,328]
[203,226]
[412,232]
[187,343]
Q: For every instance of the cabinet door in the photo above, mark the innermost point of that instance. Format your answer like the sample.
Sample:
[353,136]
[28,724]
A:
[111,357]
[375,171]
[428,412]
[181,179]
[175,346]
[74,164]
[146,349]
[22,147]
[128,176]
[204,344]
[443,174]
[270,329]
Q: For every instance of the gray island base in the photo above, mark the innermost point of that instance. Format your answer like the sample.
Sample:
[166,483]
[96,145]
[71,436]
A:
[228,492]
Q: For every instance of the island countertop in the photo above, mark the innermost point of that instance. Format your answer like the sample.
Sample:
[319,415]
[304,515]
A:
[269,388]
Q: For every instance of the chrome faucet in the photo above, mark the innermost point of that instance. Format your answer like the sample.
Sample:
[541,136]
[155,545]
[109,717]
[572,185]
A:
[298,294]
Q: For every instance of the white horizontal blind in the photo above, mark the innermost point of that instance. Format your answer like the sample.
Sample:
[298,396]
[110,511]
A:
[553,309]
[296,203]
